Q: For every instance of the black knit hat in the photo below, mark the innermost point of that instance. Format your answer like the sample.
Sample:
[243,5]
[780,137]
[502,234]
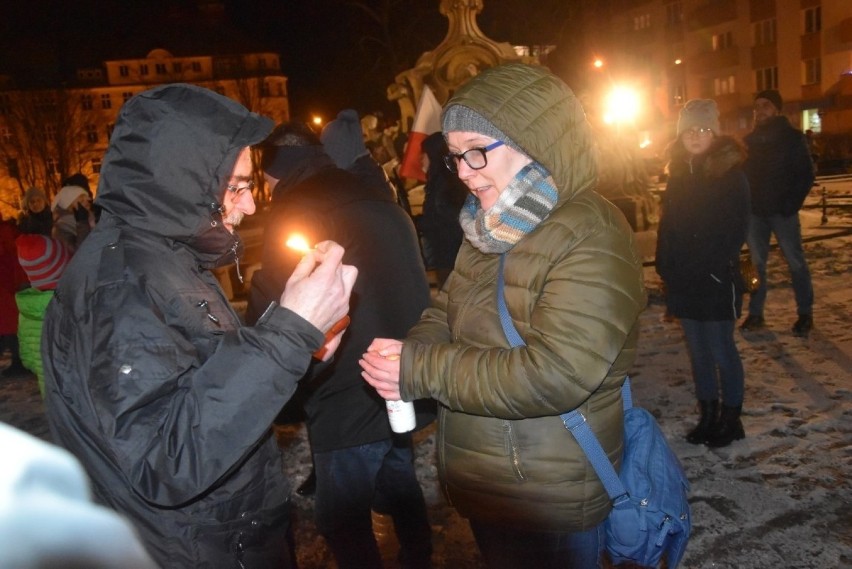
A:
[771,95]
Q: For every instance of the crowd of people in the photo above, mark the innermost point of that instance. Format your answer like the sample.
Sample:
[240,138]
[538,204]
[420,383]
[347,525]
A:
[166,396]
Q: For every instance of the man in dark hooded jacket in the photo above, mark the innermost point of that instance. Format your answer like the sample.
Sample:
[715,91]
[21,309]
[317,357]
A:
[359,463]
[151,380]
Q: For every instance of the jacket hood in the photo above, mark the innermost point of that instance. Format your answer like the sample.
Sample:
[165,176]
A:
[542,116]
[170,157]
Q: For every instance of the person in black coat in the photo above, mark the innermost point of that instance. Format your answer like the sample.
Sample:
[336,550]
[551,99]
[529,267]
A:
[780,173]
[358,461]
[151,380]
[702,229]
[439,223]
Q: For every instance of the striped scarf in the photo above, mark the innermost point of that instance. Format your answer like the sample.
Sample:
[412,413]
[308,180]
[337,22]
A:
[527,201]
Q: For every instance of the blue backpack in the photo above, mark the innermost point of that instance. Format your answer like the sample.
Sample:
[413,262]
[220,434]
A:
[650,515]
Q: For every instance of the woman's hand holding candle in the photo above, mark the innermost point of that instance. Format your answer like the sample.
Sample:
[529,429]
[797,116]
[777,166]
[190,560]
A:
[381,367]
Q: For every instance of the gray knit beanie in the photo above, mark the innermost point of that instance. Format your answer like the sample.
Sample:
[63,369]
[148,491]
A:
[342,139]
[458,118]
[700,113]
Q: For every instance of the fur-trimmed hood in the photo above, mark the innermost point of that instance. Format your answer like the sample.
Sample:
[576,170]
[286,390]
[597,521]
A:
[724,153]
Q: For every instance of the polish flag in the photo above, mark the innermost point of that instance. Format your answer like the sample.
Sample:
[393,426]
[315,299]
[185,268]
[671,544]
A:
[427,120]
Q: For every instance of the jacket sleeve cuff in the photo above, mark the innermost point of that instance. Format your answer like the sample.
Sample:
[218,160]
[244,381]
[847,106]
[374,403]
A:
[283,320]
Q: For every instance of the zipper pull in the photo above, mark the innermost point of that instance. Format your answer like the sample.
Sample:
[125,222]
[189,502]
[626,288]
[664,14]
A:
[206,305]
[237,262]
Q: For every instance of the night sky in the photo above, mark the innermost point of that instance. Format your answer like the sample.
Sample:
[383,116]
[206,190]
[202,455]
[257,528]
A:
[335,53]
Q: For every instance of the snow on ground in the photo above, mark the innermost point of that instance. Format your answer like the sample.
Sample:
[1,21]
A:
[780,498]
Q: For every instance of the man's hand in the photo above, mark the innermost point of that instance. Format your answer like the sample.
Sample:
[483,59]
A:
[320,286]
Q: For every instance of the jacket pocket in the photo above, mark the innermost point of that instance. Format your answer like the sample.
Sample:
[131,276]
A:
[255,540]
[513,450]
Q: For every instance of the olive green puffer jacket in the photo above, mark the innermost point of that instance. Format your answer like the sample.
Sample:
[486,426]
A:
[574,291]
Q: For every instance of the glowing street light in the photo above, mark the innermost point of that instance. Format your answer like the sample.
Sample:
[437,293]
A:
[598,63]
[317,120]
[621,106]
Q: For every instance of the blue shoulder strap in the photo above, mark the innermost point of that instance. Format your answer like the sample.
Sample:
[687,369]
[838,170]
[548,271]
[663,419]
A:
[574,421]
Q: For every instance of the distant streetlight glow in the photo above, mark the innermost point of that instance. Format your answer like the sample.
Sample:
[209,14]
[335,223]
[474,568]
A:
[598,63]
[621,106]
[317,120]
[678,61]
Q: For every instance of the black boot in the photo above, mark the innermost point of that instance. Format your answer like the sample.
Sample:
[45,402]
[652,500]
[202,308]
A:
[803,325]
[728,429]
[709,412]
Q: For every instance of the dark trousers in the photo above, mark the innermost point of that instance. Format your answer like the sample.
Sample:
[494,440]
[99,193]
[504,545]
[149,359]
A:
[349,481]
[716,361]
[788,232]
[513,548]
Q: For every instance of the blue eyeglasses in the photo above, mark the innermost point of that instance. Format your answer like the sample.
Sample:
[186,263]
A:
[475,157]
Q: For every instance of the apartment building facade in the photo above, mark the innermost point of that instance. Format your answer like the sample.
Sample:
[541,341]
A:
[49,133]
[729,50]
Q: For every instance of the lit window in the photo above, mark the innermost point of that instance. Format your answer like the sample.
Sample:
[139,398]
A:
[723,41]
[724,85]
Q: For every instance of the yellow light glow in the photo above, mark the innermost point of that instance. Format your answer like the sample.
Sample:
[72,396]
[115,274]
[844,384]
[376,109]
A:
[317,120]
[598,63]
[678,61]
[622,106]
[298,243]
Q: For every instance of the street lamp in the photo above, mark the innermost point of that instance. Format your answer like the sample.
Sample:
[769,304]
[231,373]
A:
[621,106]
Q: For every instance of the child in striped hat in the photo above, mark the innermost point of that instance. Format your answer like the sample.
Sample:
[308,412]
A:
[44,260]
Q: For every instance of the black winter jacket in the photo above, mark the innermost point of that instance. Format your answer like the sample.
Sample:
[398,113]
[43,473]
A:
[779,168]
[151,380]
[445,195]
[391,292]
[703,226]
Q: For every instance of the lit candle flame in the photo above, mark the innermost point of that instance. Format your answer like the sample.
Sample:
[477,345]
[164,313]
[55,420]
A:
[298,243]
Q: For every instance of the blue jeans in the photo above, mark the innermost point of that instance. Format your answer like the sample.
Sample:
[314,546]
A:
[349,481]
[715,360]
[788,233]
[513,548]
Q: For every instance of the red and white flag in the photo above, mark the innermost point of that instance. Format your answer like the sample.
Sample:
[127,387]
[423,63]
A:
[427,120]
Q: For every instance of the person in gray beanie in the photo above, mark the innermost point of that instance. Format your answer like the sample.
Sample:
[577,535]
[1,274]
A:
[780,173]
[704,221]
[519,141]
[699,114]
[343,140]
